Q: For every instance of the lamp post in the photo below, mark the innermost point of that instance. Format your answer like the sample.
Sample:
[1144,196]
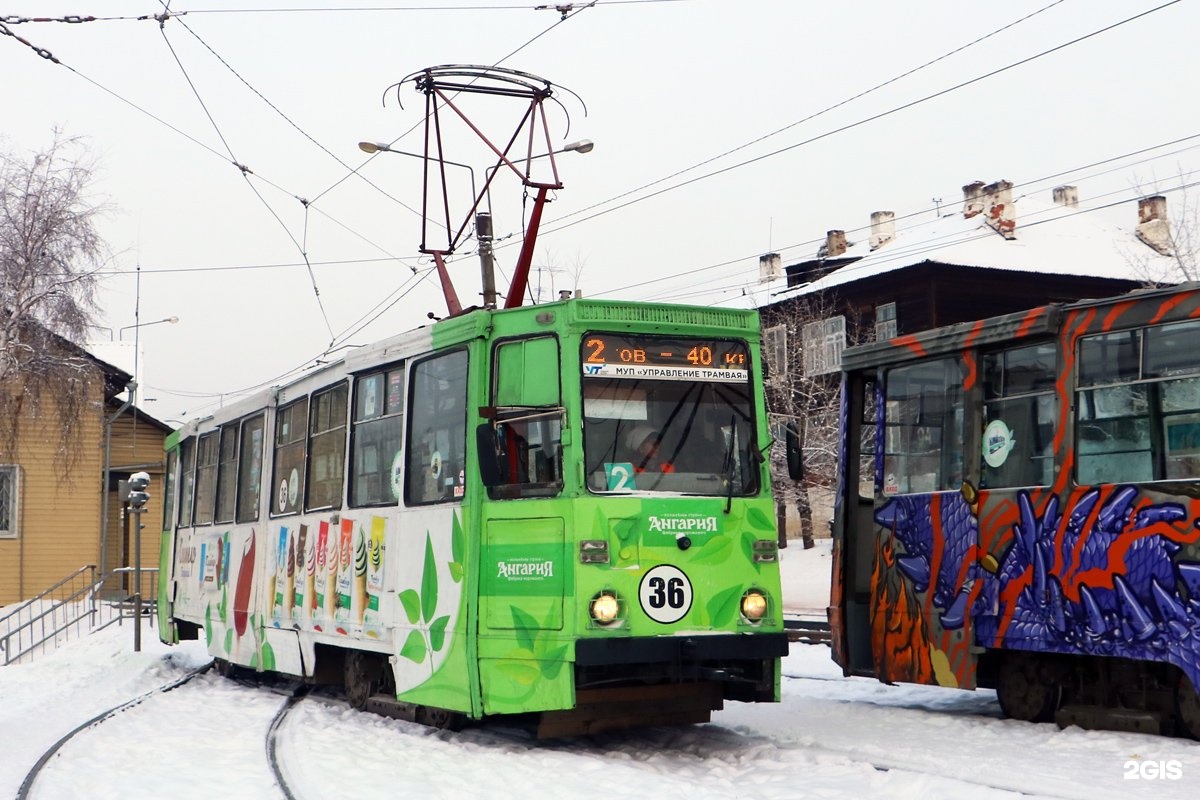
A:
[121,333]
[380,147]
[521,276]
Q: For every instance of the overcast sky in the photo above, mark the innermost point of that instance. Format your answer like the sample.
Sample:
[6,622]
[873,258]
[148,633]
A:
[713,145]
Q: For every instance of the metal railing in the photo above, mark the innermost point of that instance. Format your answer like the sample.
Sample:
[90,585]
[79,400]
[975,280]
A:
[75,606]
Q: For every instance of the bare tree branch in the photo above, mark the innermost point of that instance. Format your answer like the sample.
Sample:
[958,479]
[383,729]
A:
[50,251]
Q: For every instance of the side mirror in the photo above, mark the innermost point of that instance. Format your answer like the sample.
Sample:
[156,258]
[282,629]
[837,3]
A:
[795,458]
[487,443]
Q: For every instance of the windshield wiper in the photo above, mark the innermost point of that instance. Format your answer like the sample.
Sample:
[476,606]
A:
[729,465]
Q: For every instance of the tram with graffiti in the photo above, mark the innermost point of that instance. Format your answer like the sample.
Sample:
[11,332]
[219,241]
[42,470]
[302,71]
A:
[1019,508]
[561,510]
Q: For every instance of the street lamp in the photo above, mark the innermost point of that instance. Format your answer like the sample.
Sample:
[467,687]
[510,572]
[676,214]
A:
[485,242]
[380,147]
[121,333]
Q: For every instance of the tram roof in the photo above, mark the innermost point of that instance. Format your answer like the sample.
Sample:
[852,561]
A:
[1041,321]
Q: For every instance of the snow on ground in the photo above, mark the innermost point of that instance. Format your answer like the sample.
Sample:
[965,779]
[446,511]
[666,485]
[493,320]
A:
[805,577]
[831,737]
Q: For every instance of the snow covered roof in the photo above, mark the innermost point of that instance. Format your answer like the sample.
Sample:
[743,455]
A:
[1049,239]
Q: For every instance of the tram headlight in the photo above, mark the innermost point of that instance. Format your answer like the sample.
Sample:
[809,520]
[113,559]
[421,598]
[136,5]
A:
[754,605]
[605,608]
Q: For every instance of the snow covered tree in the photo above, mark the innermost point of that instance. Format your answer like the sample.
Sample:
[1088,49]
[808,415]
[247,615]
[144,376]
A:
[803,392]
[50,251]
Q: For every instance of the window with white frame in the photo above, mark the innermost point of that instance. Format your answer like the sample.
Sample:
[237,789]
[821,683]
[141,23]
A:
[9,501]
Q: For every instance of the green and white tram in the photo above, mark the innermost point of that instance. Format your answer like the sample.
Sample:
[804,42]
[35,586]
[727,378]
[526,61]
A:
[562,509]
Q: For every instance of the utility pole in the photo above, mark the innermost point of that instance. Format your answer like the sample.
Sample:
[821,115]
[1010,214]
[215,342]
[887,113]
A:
[483,233]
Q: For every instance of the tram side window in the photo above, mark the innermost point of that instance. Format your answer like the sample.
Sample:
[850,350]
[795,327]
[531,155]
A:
[868,437]
[378,434]
[923,433]
[291,429]
[227,474]
[527,396]
[187,480]
[170,480]
[327,448]
[1019,417]
[1140,422]
[206,478]
[435,458]
[250,458]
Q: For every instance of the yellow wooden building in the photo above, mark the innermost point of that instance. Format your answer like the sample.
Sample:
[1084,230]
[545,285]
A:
[53,522]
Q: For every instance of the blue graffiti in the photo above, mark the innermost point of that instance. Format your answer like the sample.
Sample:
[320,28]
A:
[1145,606]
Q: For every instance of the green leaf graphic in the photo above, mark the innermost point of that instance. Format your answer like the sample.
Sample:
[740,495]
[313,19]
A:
[208,631]
[758,520]
[520,672]
[716,550]
[254,661]
[437,633]
[414,647]
[456,571]
[599,525]
[526,628]
[723,606]
[456,540]
[412,604]
[552,664]
[229,641]
[268,659]
[223,609]
[429,582]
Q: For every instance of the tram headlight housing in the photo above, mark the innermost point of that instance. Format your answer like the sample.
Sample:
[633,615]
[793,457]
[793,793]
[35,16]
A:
[754,605]
[605,608]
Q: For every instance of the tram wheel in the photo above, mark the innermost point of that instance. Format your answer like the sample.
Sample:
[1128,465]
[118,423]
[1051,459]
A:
[1024,691]
[363,675]
[440,718]
[1187,707]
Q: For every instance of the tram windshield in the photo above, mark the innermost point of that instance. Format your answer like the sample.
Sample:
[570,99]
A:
[668,415]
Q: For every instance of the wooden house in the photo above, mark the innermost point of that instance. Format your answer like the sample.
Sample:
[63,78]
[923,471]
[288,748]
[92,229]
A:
[52,518]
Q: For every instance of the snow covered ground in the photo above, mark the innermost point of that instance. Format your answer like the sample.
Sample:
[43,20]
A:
[831,737]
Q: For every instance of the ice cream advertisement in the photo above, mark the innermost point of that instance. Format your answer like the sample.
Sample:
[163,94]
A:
[345,577]
[306,563]
[303,583]
[324,578]
[372,623]
[283,582]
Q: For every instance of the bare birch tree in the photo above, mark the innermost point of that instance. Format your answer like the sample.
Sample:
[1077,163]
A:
[808,402]
[1177,238]
[49,253]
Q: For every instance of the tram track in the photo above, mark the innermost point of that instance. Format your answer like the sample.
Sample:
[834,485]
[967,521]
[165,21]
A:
[30,777]
[293,692]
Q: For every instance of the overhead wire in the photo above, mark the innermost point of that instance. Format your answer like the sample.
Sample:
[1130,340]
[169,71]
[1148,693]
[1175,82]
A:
[245,170]
[928,246]
[922,212]
[817,114]
[871,118]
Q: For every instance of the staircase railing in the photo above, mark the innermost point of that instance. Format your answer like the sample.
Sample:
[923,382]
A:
[75,606]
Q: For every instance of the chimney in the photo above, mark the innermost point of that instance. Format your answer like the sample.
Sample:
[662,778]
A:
[770,267]
[835,243]
[883,228]
[972,199]
[1154,229]
[1001,215]
[1066,196]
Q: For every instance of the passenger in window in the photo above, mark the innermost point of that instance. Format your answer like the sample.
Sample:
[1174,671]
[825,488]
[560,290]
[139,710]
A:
[645,442]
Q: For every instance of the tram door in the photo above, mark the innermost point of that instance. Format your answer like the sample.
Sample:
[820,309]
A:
[854,528]
[523,549]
